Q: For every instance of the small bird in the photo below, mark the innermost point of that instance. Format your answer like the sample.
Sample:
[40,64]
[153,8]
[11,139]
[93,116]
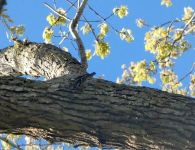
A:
[81,79]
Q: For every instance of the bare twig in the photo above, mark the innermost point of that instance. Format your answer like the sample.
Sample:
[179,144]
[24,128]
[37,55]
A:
[64,38]
[85,19]
[187,74]
[79,3]
[103,19]
[56,12]
[73,4]
[184,29]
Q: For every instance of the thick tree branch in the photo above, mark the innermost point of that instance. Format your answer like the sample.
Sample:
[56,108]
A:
[101,113]
[38,60]
[75,35]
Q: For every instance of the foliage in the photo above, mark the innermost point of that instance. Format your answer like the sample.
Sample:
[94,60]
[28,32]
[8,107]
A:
[47,34]
[121,11]
[167,43]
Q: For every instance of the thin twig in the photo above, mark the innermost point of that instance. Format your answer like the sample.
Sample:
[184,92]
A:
[78,4]
[71,7]
[187,74]
[56,12]
[64,38]
[108,17]
[102,18]
[92,29]
[185,27]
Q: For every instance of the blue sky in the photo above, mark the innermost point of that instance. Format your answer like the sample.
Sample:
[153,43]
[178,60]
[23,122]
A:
[32,14]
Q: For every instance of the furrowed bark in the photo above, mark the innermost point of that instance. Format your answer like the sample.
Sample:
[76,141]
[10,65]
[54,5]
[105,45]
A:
[38,60]
[99,113]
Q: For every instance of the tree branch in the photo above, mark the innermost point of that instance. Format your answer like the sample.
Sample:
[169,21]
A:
[75,35]
[38,60]
[56,12]
[85,19]
[101,114]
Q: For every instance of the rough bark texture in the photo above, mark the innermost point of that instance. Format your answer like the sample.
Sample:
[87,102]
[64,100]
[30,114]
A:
[98,113]
[38,60]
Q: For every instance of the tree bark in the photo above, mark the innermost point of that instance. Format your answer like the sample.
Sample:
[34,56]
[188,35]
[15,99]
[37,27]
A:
[38,60]
[97,113]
